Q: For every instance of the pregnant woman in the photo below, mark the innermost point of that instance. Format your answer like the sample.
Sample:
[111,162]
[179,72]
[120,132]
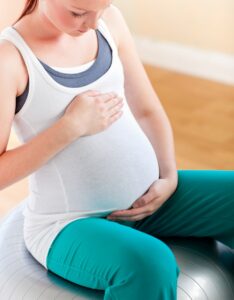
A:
[98,149]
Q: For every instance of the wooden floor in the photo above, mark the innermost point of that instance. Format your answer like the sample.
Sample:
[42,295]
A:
[202,117]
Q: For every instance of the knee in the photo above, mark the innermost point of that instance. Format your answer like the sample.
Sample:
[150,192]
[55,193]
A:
[159,265]
[156,263]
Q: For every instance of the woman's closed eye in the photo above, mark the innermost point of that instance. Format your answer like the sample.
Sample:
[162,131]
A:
[77,15]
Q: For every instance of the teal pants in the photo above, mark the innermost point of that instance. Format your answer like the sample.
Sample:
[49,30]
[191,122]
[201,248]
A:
[127,259]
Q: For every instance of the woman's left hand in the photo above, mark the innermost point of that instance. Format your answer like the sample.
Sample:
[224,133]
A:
[147,204]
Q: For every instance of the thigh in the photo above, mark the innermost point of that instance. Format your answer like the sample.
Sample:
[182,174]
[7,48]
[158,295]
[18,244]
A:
[202,205]
[94,252]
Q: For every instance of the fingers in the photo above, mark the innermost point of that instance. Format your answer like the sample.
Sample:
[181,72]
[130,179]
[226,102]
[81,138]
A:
[115,109]
[132,218]
[111,103]
[110,95]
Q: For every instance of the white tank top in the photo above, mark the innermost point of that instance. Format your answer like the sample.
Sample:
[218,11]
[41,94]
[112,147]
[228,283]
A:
[94,175]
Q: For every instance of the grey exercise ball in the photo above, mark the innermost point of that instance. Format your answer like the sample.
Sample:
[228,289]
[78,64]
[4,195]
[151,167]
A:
[206,269]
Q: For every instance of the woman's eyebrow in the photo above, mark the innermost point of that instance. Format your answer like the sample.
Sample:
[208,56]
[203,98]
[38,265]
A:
[78,8]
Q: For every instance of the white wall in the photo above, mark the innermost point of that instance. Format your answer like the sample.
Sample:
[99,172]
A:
[10,11]
[206,24]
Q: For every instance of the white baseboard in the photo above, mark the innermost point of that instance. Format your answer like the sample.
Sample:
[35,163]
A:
[188,60]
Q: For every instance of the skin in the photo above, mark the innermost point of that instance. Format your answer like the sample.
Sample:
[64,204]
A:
[66,18]
[56,22]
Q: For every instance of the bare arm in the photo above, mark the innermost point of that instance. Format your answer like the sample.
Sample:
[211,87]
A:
[158,130]
[142,98]
[18,163]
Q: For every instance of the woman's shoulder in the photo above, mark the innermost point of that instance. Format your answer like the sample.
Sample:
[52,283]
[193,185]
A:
[9,58]
[8,52]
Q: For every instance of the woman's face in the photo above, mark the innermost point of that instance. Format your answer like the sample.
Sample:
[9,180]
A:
[74,16]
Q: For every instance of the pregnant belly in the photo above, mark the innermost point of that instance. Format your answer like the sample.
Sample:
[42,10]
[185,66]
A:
[104,172]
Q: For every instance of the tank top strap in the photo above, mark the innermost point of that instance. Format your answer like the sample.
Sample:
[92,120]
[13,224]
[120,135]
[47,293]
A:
[102,26]
[10,34]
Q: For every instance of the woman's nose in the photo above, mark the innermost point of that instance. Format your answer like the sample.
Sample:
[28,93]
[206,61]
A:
[92,23]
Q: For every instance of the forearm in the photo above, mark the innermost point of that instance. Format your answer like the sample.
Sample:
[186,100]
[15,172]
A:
[18,163]
[159,131]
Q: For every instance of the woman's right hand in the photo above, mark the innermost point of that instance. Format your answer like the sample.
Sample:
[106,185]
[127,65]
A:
[91,112]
